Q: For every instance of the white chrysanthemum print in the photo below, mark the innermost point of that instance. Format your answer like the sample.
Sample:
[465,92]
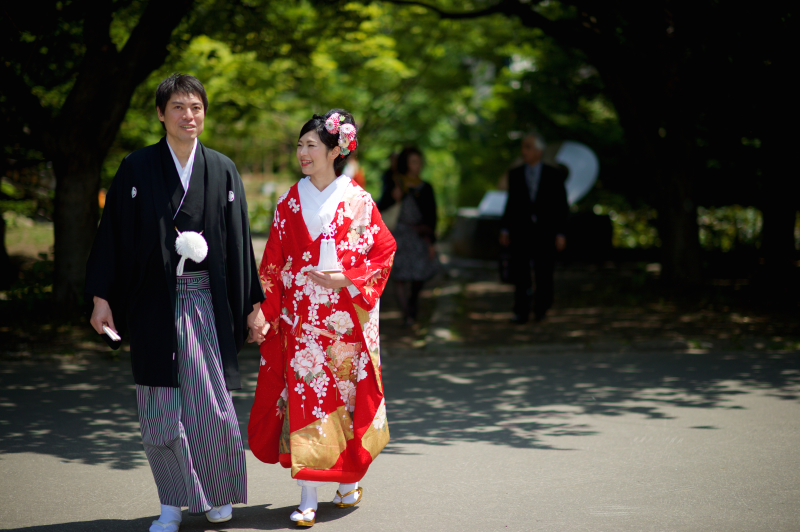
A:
[372,335]
[380,416]
[348,392]
[339,322]
[308,360]
[319,295]
[363,361]
[287,278]
[320,385]
[306,256]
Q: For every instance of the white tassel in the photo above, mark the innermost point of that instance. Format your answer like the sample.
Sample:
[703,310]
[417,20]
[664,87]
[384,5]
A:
[190,245]
[328,260]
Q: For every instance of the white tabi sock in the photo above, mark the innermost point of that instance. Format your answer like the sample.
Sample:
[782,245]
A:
[168,513]
[220,512]
[344,489]
[308,499]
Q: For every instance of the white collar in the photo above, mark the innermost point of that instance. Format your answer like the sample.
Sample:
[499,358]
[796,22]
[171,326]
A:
[184,172]
[319,206]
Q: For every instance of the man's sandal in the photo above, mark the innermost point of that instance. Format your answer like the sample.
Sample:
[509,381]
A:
[339,498]
[161,526]
[307,518]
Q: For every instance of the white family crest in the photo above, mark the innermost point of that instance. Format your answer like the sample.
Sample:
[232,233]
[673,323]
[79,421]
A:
[133,192]
[230,195]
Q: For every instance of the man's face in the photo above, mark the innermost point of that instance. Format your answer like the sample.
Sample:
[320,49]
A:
[530,153]
[183,117]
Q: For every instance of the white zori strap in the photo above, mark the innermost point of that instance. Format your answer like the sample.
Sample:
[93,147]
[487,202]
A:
[190,245]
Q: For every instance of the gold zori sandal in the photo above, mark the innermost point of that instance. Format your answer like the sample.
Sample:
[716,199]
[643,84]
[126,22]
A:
[341,504]
[304,517]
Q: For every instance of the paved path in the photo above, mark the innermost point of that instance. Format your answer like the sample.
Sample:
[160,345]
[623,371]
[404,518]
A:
[515,442]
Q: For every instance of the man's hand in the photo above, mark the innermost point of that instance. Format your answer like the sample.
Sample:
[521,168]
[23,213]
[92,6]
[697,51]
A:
[101,315]
[258,325]
[561,243]
[329,280]
[505,239]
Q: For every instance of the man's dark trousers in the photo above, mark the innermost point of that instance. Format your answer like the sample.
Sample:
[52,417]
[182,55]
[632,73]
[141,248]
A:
[544,261]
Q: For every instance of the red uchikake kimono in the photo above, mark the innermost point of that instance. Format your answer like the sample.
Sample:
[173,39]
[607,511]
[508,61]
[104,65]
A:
[319,407]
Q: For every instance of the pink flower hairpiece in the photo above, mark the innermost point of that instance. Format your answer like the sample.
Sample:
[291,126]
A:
[347,133]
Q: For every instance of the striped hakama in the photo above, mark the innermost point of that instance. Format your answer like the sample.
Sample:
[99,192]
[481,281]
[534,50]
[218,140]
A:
[191,434]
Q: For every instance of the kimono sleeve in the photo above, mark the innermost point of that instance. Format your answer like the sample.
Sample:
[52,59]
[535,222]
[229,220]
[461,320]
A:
[369,275]
[272,264]
[107,265]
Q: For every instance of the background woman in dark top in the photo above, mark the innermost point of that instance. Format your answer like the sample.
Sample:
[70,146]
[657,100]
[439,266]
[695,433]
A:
[415,231]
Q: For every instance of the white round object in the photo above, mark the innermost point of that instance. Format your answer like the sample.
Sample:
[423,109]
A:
[583,168]
[190,245]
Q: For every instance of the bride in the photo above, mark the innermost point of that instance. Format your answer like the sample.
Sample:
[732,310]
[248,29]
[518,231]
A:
[319,408]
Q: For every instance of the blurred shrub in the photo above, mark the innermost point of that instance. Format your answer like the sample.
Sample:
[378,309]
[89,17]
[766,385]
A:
[633,228]
[727,228]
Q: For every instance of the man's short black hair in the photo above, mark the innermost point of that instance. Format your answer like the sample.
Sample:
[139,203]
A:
[179,83]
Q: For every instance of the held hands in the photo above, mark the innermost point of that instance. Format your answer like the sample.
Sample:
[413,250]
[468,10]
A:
[258,326]
[329,280]
[101,315]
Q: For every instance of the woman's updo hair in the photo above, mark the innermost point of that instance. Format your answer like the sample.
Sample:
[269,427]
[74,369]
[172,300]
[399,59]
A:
[331,140]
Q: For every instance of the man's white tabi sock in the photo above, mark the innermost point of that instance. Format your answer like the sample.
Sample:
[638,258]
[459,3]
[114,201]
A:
[344,489]
[220,512]
[170,513]
[169,521]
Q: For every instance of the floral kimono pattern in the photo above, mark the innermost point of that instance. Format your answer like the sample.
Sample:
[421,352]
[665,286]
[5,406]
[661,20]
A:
[319,407]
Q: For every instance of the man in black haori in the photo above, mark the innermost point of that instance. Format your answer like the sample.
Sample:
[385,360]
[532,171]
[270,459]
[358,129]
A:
[172,268]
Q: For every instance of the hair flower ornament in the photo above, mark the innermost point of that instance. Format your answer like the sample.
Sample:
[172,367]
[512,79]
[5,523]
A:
[332,123]
[347,133]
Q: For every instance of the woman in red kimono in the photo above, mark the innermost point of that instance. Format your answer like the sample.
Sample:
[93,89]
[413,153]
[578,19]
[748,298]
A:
[319,407]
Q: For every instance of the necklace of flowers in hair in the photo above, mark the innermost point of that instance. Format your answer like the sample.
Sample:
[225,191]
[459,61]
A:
[347,133]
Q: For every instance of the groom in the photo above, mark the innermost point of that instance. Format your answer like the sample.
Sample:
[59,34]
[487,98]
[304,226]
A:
[185,330]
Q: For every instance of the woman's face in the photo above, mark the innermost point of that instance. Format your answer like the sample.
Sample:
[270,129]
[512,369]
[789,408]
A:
[314,157]
[414,164]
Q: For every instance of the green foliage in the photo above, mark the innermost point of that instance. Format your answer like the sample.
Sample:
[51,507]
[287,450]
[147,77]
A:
[463,91]
[633,227]
[34,287]
[728,228]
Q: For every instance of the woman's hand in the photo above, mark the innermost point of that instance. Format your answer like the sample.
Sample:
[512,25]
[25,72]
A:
[329,280]
[257,325]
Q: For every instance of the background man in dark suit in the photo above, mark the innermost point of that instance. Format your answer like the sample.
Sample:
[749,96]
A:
[533,226]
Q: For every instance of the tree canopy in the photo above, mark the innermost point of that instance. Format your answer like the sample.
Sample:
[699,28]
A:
[681,101]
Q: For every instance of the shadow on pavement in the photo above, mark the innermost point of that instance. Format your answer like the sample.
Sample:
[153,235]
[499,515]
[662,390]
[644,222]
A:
[87,412]
[516,400]
[257,517]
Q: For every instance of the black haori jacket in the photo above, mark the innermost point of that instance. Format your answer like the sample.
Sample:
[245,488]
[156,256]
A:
[133,260]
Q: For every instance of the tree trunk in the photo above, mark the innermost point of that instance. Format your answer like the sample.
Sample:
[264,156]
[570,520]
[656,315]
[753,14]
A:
[778,277]
[75,223]
[678,230]
[8,271]
[662,150]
